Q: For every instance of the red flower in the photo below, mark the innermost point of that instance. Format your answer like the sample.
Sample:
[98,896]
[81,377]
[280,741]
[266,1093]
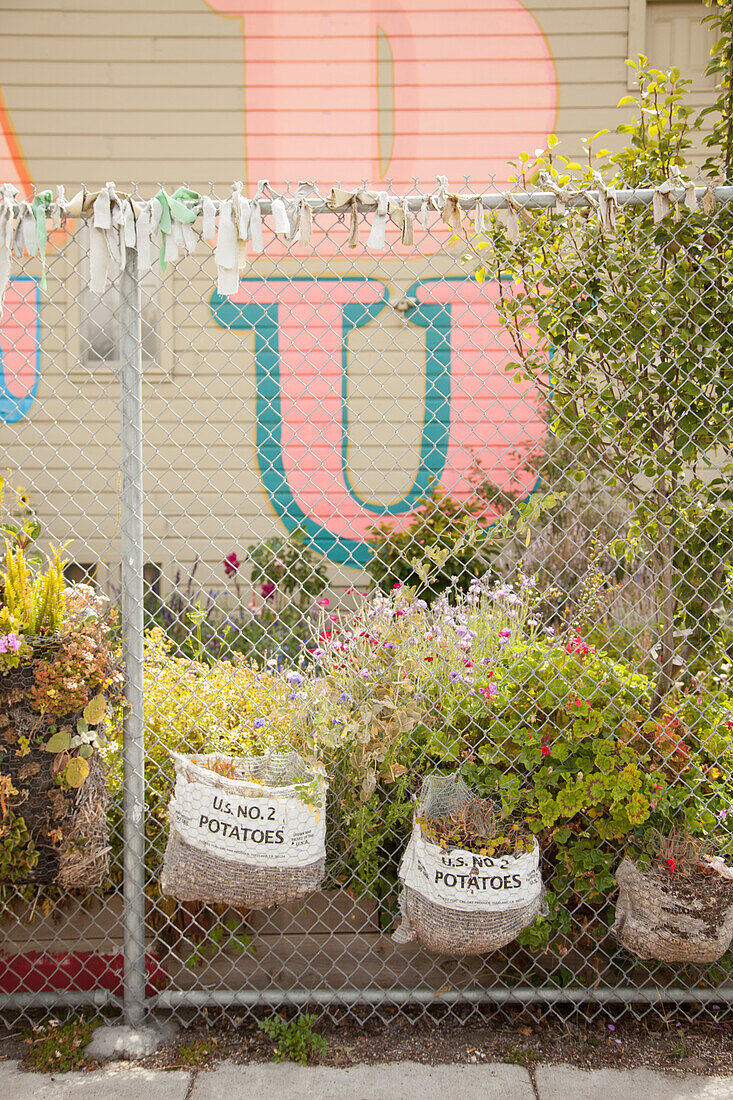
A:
[577,645]
[267,589]
[231,564]
[545,750]
[671,864]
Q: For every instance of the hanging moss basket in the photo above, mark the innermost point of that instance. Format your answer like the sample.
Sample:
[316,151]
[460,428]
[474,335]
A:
[53,790]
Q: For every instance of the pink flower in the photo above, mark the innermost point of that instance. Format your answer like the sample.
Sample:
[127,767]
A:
[324,602]
[397,585]
[231,564]
[267,589]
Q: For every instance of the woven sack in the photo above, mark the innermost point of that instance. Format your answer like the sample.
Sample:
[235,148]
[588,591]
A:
[247,843]
[457,902]
[654,922]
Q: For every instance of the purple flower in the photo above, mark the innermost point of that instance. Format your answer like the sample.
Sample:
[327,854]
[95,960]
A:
[294,678]
[258,723]
[454,676]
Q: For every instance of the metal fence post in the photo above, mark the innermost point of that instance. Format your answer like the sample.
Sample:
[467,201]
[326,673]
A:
[131,540]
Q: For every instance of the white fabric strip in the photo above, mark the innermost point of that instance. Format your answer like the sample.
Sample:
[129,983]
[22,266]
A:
[8,194]
[227,252]
[208,218]
[143,227]
[377,237]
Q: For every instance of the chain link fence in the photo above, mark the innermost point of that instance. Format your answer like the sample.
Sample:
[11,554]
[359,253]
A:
[338,512]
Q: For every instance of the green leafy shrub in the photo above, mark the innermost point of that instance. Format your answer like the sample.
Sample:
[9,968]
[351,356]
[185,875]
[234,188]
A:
[296,1040]
[437,525]
[634,307]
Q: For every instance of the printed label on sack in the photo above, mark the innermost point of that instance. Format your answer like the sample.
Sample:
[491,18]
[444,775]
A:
[280,831]
[459,879]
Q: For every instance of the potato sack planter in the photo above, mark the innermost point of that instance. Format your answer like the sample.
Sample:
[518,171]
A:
[459,902]
[245,831]
[675,918]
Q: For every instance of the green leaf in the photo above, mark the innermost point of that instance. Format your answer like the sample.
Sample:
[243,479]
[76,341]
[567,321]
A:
[59,742]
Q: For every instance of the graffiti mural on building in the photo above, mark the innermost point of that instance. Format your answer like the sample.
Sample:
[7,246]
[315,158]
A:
[473,413]
[395,94]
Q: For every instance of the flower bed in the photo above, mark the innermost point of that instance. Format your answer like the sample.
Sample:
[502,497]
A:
[555,730]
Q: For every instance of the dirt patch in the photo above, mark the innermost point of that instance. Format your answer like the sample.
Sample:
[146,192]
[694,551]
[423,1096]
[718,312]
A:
[667,1041]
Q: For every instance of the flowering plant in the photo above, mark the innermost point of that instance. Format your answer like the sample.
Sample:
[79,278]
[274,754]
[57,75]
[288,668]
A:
[551,729]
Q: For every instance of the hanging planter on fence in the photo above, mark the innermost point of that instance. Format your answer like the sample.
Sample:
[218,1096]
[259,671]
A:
[53,789]
[675,917]
[245,831]
[456,901]
[58,673]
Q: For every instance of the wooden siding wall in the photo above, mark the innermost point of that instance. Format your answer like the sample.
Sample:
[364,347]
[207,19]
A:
[153,90]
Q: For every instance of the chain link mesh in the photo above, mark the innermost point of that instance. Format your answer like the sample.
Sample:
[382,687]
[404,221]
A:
[338,391]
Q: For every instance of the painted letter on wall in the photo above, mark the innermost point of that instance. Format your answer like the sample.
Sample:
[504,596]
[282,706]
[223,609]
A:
[413,88]
[472,412]
[20,349]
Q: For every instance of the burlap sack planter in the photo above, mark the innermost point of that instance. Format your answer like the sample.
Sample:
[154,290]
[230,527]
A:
[657,917]
[252,842]
[457,902]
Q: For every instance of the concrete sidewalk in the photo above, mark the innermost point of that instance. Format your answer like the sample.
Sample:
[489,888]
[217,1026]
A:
[399,1081]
